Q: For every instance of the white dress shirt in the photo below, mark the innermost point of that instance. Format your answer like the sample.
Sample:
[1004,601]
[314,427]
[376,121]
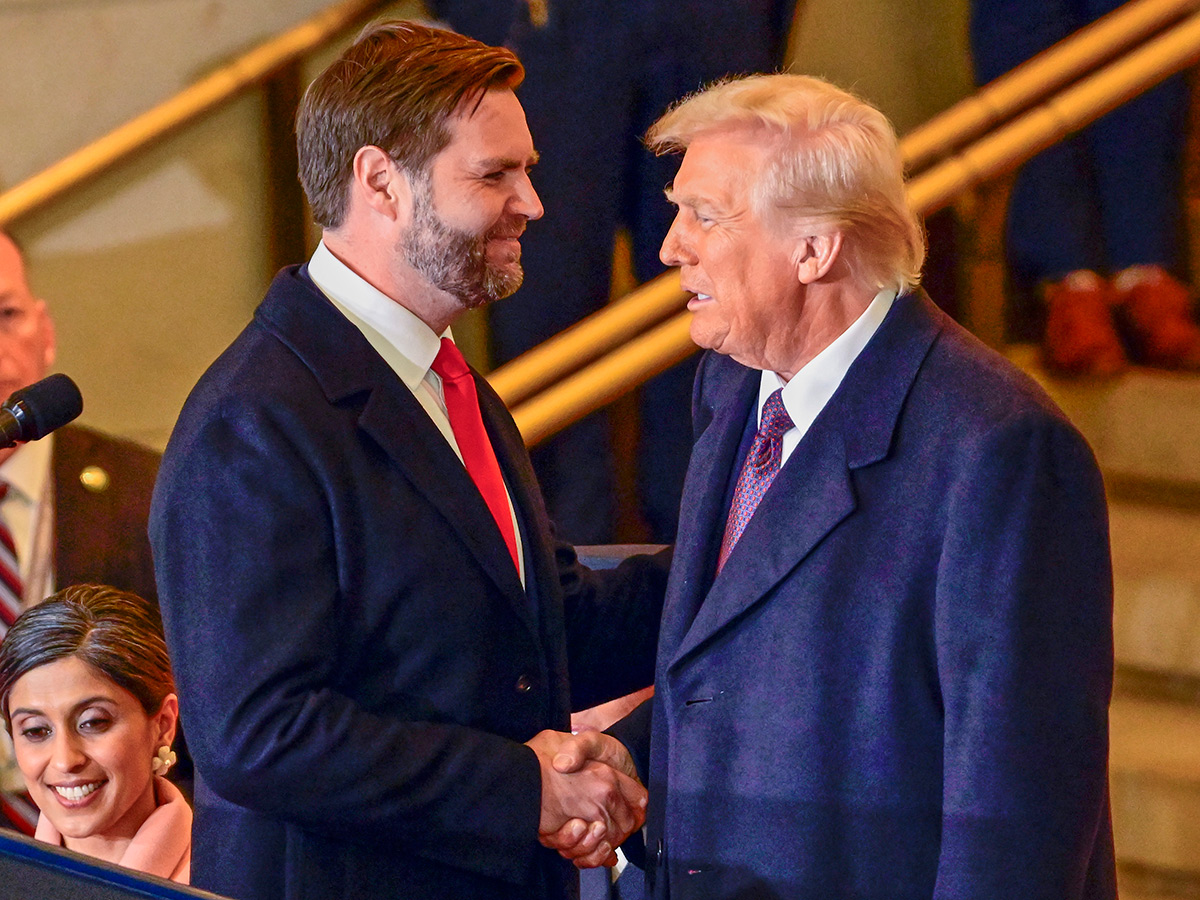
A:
[406,344]
[28,511]
[810,389]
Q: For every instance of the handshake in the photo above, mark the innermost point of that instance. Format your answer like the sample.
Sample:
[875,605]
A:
[591,797]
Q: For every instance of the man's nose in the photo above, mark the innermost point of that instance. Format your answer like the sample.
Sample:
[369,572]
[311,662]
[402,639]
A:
[675,249]
[527,203]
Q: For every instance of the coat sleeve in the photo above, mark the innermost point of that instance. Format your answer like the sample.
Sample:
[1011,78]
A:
[634,732]
[1024,654]
[253,604]
[612,619]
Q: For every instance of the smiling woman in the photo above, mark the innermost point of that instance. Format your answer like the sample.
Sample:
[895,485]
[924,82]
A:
[87,693]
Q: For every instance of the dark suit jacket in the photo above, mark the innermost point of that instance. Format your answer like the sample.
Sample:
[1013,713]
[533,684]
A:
[897,688]
[357,660]
[100,532]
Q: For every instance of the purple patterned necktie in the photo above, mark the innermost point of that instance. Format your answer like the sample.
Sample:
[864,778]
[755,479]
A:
[761,467]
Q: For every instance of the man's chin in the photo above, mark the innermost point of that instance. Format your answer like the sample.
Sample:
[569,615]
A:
[495,289]
[706,338]
[505,281]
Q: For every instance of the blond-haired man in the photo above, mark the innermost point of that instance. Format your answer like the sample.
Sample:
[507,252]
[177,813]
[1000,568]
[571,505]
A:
[886,652]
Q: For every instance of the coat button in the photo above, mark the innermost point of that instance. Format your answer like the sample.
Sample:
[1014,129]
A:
[524,684]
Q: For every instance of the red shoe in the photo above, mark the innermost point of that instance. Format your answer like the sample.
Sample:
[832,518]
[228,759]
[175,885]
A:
[1081,338]
[1156,312]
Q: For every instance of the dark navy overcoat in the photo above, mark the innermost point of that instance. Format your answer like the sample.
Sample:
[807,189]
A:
[897,687]
[358,663]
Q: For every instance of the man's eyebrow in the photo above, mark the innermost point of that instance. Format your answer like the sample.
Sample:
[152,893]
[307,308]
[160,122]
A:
[509,162]
[696,204]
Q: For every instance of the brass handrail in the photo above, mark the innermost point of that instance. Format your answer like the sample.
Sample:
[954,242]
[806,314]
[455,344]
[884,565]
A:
[995,102]
[590,339]
[606,379]
[989,157]
[154,125]
[1015,91]
[578,345]
[1007,147]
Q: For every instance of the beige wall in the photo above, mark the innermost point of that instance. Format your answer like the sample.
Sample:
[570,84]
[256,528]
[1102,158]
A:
[71,70]
[153,269]
[908,57]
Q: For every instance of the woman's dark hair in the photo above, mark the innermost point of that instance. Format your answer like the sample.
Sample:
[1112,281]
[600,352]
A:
[117,633]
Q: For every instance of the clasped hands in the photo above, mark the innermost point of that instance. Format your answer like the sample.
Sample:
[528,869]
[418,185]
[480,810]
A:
[591,797]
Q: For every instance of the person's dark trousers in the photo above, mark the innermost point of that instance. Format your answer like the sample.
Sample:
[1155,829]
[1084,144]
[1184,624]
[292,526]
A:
[1110,196]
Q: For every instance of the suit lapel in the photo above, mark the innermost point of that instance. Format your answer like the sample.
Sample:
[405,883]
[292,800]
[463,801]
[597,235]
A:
[522,487]
[809,497]
[702,512]
[543,593]
[398,423]
[814,490]
[345,365]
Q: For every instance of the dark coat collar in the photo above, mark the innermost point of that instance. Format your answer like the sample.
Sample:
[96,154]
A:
[813,491]
[349,370]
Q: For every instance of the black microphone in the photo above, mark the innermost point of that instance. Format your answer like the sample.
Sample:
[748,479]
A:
[33,412]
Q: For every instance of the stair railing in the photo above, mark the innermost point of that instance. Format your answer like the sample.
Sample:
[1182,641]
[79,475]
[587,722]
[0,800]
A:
[608,376]
[1049,71]
[625,344]
[273,65]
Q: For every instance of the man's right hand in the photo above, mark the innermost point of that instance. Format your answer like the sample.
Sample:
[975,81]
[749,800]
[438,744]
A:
[591,799]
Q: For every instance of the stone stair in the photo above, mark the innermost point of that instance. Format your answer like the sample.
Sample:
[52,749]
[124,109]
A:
[1145,429]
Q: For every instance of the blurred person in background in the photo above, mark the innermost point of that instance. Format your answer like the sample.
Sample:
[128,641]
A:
[74,506]
[1095,221]
[597,75]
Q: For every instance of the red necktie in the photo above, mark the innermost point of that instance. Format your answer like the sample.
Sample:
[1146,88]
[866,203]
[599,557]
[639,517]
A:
[761,466]
[17,808]
[462,405]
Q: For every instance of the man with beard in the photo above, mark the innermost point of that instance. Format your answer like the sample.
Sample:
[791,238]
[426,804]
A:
[369,620]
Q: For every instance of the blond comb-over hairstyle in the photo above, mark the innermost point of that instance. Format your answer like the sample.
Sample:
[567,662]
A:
[837,161]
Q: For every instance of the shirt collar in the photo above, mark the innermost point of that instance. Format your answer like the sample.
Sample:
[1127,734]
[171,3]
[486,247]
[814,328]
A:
[378,316]
[26,471]
[806,394]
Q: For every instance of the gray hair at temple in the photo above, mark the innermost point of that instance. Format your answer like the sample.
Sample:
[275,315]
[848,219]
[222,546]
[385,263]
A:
[394,88]
[837,162]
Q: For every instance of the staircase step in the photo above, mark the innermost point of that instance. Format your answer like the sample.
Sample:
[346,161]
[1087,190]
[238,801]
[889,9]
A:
[1156,576]
[1154,774]
[1144,424]
[1144,427]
